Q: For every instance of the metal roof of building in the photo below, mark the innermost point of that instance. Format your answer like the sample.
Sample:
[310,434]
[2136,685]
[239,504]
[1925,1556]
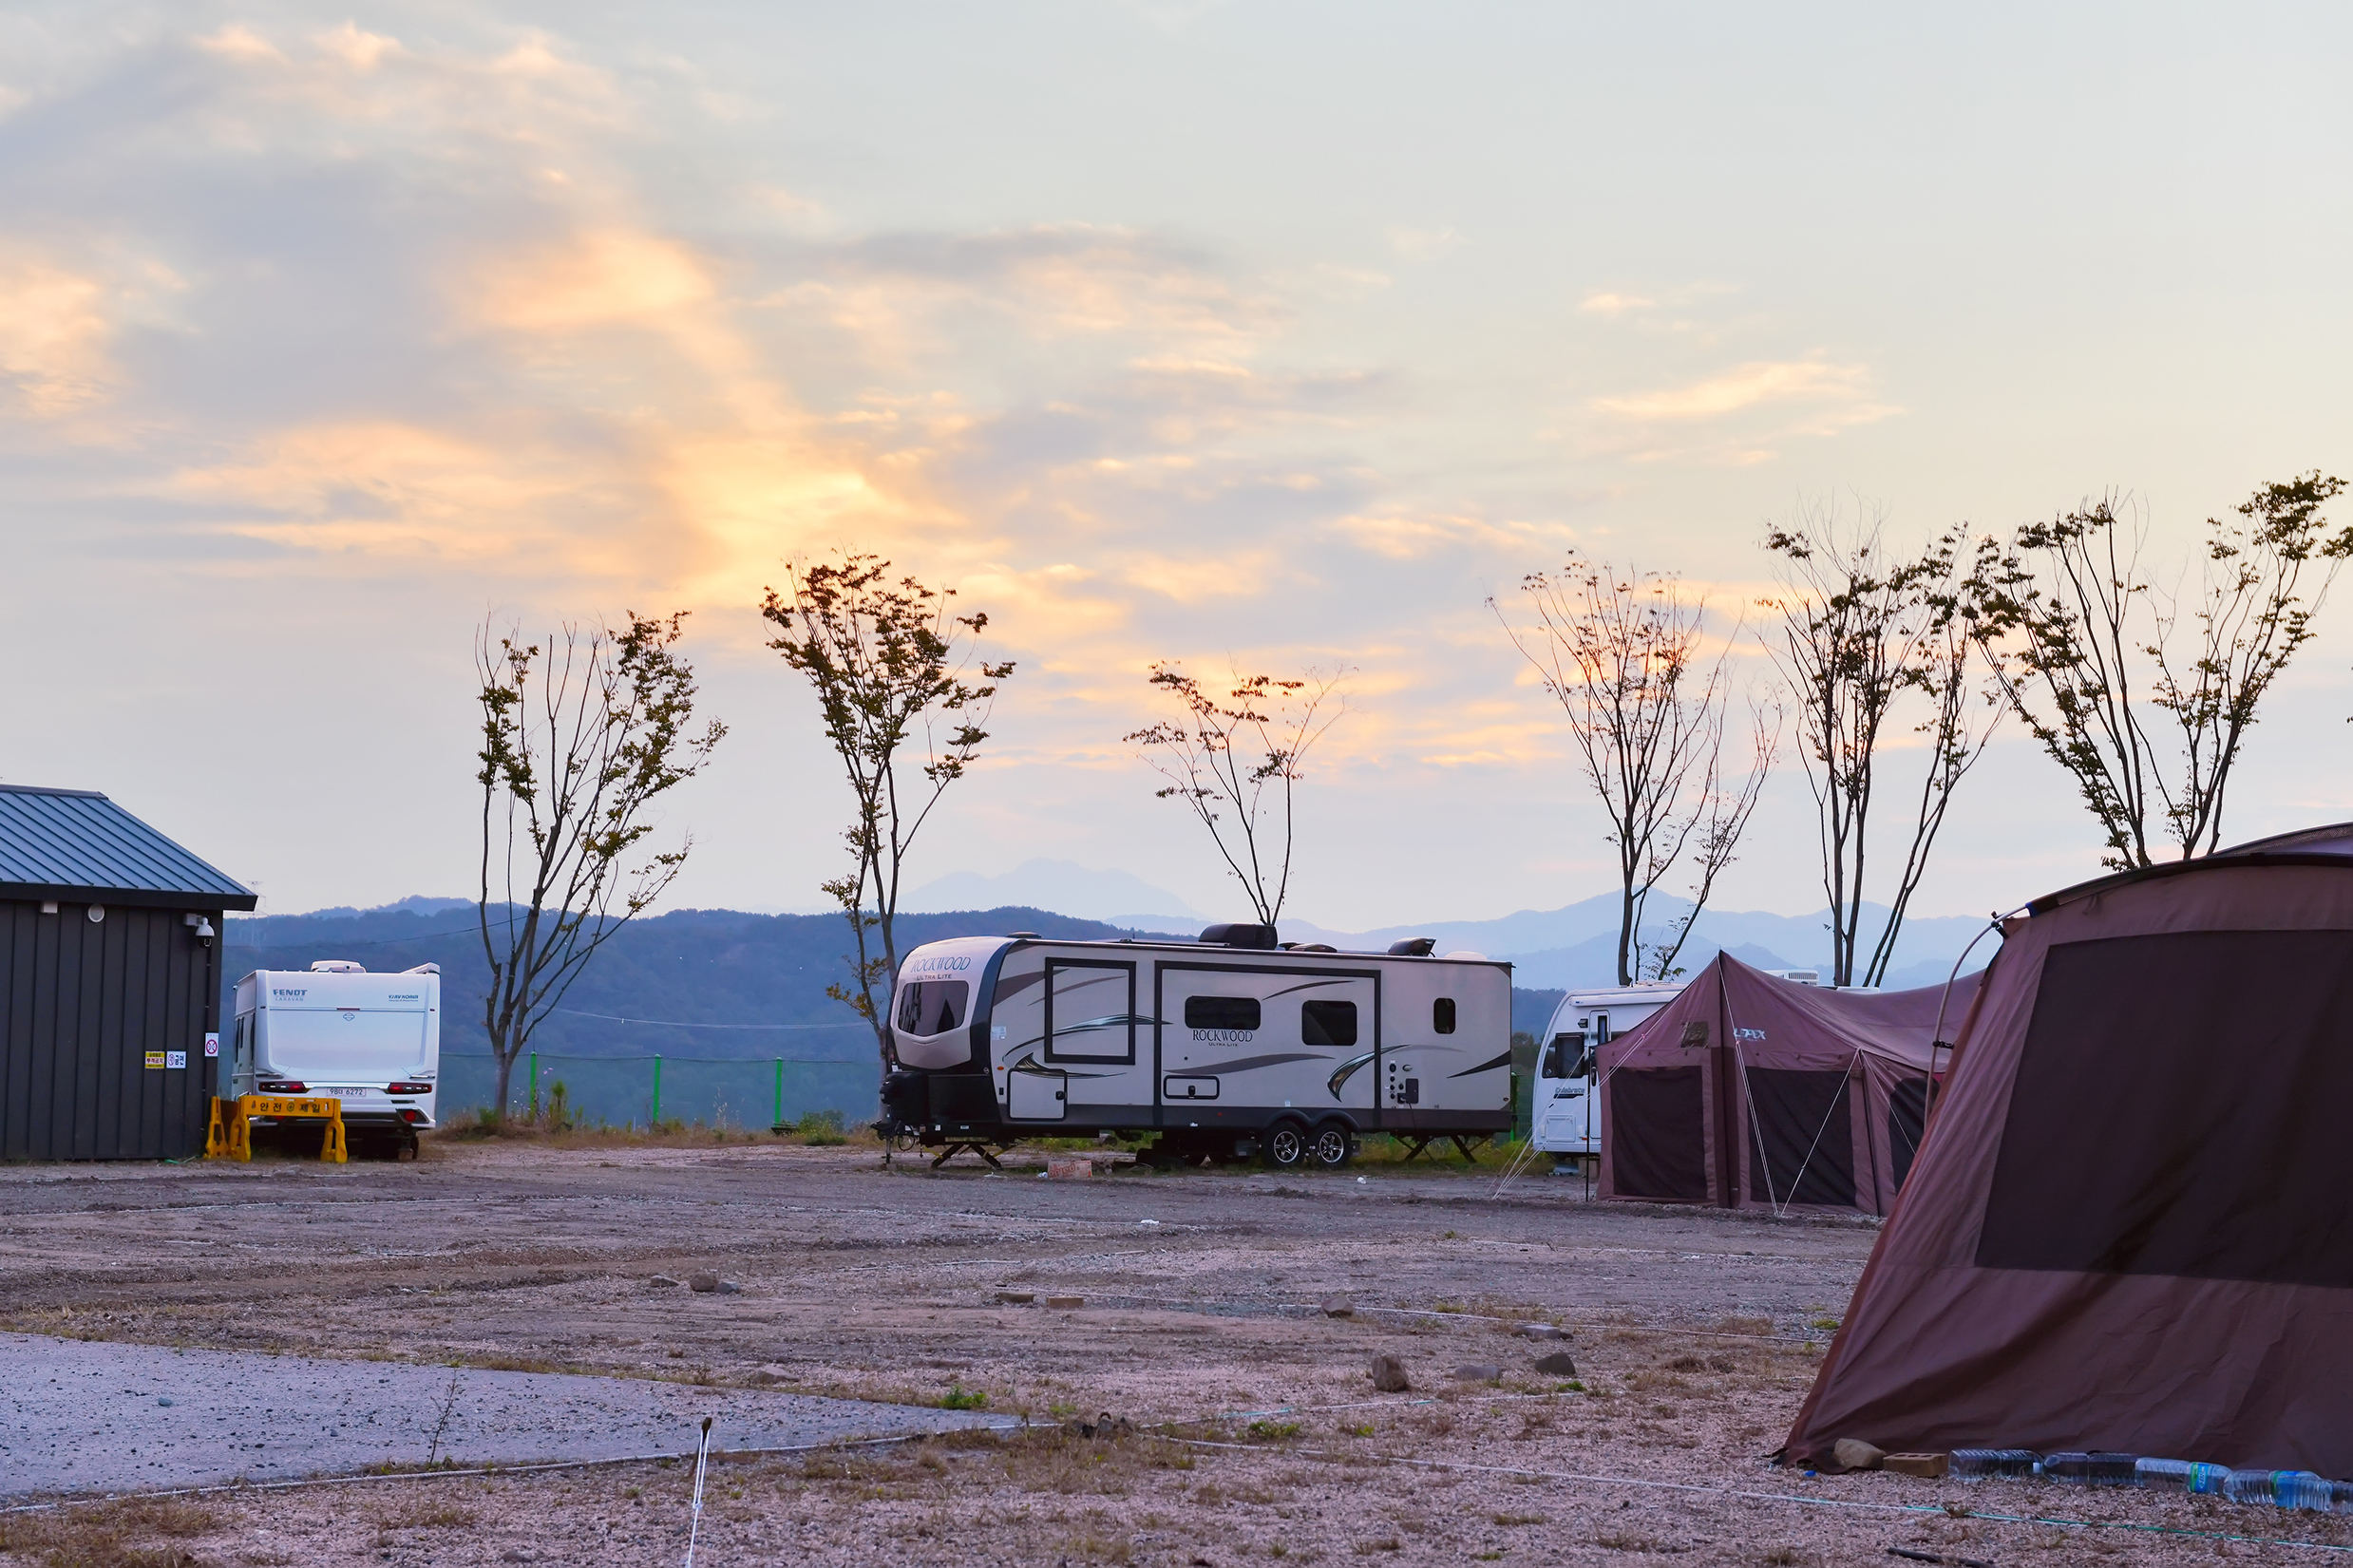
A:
[76,844]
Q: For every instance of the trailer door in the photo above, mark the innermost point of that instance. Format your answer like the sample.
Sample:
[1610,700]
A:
[1091,1042]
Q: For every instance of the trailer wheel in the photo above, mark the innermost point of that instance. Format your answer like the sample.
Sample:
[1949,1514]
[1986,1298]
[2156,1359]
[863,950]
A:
[1284,1146]
[1329,1146]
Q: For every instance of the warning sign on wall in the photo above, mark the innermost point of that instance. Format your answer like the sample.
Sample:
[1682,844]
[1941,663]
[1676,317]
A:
[212,1045]
[154,1060]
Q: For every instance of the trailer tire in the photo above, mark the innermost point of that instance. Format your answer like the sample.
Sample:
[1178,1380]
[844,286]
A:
[1330,1145]
[1284,1146]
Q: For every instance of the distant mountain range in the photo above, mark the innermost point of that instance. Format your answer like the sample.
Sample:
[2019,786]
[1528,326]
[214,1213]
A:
[722,983]
[734,1004]
[1571,947]
[1577,946]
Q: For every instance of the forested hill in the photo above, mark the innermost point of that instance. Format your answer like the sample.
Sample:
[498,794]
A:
[687,968]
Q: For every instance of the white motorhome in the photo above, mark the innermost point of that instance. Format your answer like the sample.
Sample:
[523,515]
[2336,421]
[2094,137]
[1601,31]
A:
[1566,1112]
[372,1041]
[1228,1048]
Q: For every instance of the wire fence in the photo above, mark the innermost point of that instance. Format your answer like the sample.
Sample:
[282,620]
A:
[717,1091]
[649,1090]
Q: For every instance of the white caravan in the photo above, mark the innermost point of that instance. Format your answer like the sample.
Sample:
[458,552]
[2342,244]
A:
[1228,1048]
[1567,1118]
[372,1041]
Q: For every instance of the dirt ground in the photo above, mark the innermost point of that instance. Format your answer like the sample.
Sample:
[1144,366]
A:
[1243,1425]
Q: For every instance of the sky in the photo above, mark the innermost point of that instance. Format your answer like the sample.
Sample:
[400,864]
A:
[1258,335]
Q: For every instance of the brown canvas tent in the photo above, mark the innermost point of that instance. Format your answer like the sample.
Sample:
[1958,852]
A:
[2131,1225]
[1751,1091]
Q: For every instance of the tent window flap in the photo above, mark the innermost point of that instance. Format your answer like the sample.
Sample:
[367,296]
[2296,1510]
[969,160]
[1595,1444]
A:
[1801,1149]
[1658,1138]
[2241,1179]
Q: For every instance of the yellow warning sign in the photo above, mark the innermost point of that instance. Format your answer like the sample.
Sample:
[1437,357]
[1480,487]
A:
[154,1059]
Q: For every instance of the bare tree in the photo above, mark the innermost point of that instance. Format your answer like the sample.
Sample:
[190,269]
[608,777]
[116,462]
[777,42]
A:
[1233,752]
[2098,665]
[887,659]
[1861,633]
[1717,819]
[1621,655]
[581,732]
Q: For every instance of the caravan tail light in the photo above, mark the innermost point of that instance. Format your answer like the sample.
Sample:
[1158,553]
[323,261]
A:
[413,1116]
[407,1088]
[286,1086]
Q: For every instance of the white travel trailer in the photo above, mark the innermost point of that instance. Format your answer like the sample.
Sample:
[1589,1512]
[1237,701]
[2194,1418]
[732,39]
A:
[1228,1048]
[372,1041]
[1567,1120]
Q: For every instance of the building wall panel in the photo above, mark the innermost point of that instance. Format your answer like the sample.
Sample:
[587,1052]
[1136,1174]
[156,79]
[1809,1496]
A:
[82,1003]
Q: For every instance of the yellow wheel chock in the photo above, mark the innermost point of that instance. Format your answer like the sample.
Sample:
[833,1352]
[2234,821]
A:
[230,1136]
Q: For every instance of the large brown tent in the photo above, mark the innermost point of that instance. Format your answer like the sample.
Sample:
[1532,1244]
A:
[2131,1225]
[1751,1091]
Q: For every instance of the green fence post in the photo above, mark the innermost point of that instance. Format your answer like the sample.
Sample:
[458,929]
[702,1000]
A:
[778,1119]
[535,1083]
[657,1093]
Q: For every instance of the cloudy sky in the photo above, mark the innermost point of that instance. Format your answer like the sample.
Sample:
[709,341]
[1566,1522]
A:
[1273,333]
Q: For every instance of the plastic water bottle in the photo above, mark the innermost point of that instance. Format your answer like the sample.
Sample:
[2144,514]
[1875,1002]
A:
[2099,1469]
[1987,1464]
[2249,1486]
[2164,1474]
[2302,1489]
[2182,1475]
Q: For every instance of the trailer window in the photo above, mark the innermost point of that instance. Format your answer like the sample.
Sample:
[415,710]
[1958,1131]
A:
[1328,1023]
[1442,1016]
[931,1007]
[1227,1012]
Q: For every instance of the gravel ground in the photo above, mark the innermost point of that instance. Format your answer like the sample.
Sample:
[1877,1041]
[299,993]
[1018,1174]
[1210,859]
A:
[80,1415]
[1253,1432]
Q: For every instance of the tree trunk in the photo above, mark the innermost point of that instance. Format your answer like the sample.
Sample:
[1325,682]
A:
[1626,933]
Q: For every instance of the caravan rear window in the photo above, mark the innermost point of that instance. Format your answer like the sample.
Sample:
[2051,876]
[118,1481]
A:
[931,1007]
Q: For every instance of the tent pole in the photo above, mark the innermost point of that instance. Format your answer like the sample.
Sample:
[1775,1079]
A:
[1936,1036]
[1728,1090]
[1756,1127]
[1870,1143]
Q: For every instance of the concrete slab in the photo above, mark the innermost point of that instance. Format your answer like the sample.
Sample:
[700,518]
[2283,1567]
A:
[90,1416]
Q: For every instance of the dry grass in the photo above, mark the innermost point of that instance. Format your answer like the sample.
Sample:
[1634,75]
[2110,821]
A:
[139,1533]
[668,1135]
[427,1512]
[1034,1460]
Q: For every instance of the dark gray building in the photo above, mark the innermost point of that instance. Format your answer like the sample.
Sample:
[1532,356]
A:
[109,981]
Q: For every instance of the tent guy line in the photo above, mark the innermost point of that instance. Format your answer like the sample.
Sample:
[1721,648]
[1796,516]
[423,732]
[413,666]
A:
[1745,1494]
